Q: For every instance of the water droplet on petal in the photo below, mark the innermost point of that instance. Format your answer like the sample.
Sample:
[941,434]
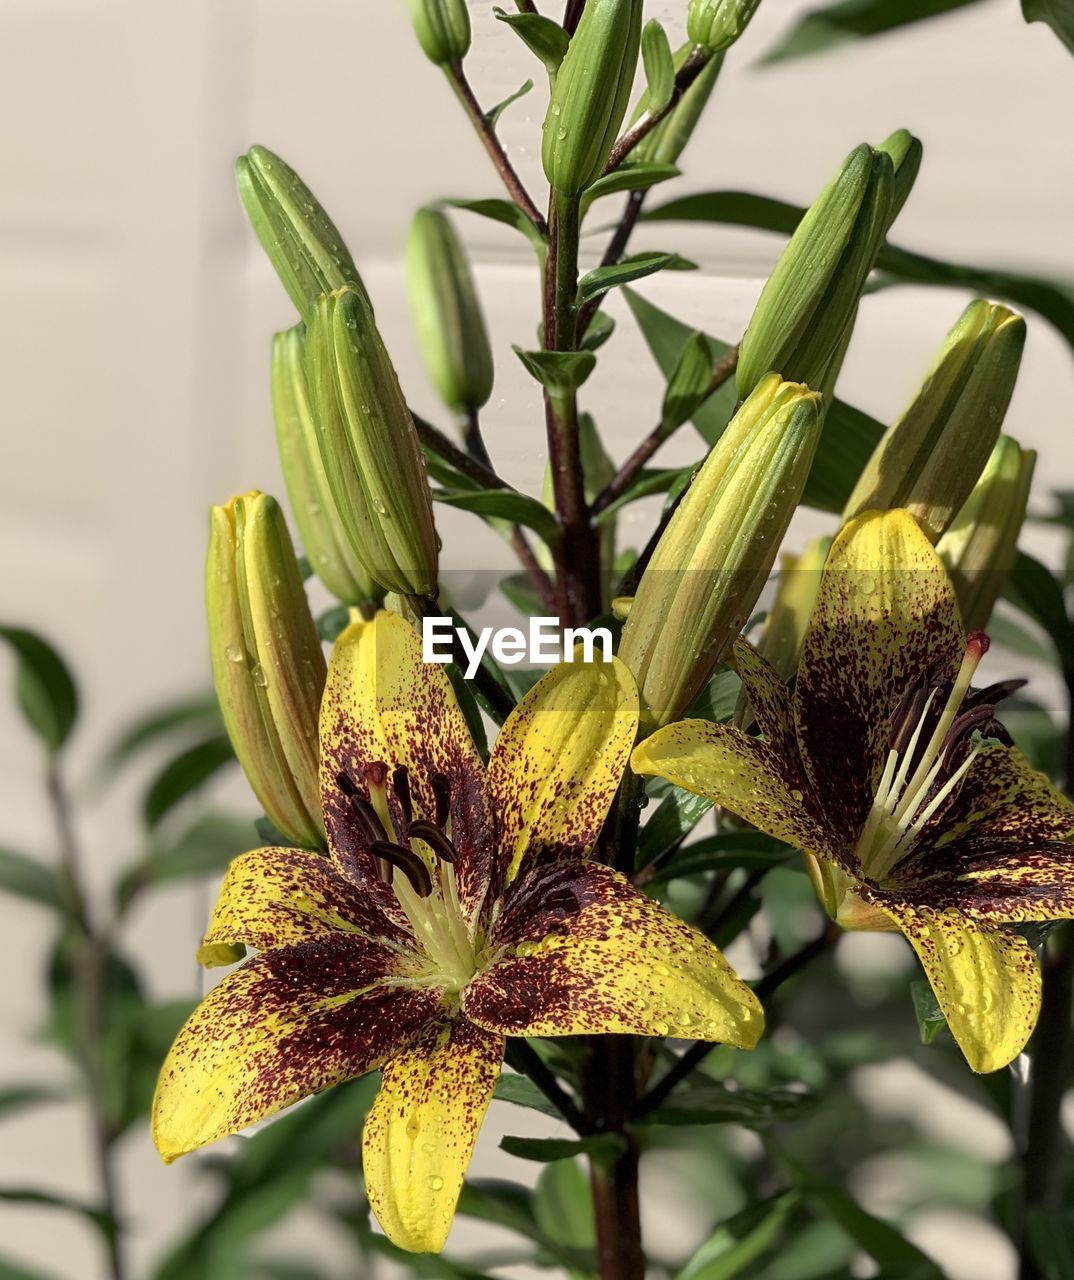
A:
[234,653]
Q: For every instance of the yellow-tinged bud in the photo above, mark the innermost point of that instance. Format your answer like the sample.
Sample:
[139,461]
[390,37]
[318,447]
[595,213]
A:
[369,447]
[268,665]
[981,544]
[591,93]
[447,315]
[930,459]
[714,558]
[717,24]
[802,320]
[666,142]
[442,28]
[320,525]
[300,239]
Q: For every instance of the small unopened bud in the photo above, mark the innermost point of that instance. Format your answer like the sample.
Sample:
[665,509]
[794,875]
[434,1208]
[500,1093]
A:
[268,665]
[442,28]
[447,315]
[930,459]
[665,143]
[369,447]
[713,559]
[300,239]
[716,24]
[591,93]
[906,152]
[802,320]
[321,527]
[981,544]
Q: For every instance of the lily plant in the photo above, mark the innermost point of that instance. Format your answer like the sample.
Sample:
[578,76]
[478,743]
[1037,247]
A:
[893,776]
[457,904]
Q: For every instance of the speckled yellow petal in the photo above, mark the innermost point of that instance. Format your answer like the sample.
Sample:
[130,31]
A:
[278,897]
[583,952]
[559,759]
[985,979]
[741,773]
[768,696]
[885,614]
[383,704]
[421,1130]
[288,1023]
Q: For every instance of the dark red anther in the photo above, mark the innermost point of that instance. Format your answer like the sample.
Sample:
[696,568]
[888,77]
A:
[345,785]
[978,644]
[376,774]
[368,819]
[406,861]
[441,785]
[434,837]
[401,787]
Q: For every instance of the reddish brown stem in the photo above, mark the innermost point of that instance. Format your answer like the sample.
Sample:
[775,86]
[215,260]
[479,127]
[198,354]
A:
[695,63]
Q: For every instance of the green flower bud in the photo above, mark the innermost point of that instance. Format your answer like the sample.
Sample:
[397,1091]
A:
[981,544]
[905,151]
[806,310]
[442,28]
[713,559]
[591,93]
[931,458]
[320,525]
[300,239]
[447,315]
[666,142]
[369,448]
[268,665]
[717,24]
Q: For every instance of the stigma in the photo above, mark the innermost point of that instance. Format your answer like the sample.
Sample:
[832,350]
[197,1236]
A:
[934,736]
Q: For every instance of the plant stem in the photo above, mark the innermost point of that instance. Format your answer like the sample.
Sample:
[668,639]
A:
[695,63]
[610,1089]
[771,982]
[518,193]
[527,1062]
[621,481]
[88,969]
[572,15]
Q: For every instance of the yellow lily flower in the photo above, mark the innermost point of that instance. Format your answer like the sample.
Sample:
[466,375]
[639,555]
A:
[455,907]
[897,782]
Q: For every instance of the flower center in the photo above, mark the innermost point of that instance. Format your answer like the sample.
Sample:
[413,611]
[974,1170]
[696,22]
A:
[935,733]
[416,859]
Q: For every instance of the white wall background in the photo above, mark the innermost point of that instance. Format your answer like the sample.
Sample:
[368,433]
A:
[137,313]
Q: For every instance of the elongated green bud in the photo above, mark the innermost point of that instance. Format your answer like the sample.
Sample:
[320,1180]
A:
[591,93]
[804,314]
[714,558]
[906,152]
[666,142]
[369,448]
[931,458]
[320,525]
[447,315]
[716,24]
[785,627]
[300,239]
[981,544]
[268,665]
[442,28]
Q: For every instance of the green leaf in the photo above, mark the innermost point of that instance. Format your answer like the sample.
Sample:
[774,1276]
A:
[521,1091]
[930,1019]
[659,65]
[511,1206]
[1058,14]
[27,878]
[44,687]
[717,699]
[333,622]
[17,1097]
[649,480]
[678,814]
[50,1200]
[194,715]
[627,177]
[702,1101]
[563,1204]
[636,267]
[184,775]
[597,332]
[751,850]
[823,29]
[426,1266]
[559,372]
[506,212]
[1051,1241]
[848,437]
[690,381]
[602,1147]
[1038,593]
[16,1271]
[207,846]
[1055,302]
[494,113]
[545,38]
[739,1241]
[504,504]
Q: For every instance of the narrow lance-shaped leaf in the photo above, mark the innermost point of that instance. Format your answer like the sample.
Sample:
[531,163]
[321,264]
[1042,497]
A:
[44,686]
